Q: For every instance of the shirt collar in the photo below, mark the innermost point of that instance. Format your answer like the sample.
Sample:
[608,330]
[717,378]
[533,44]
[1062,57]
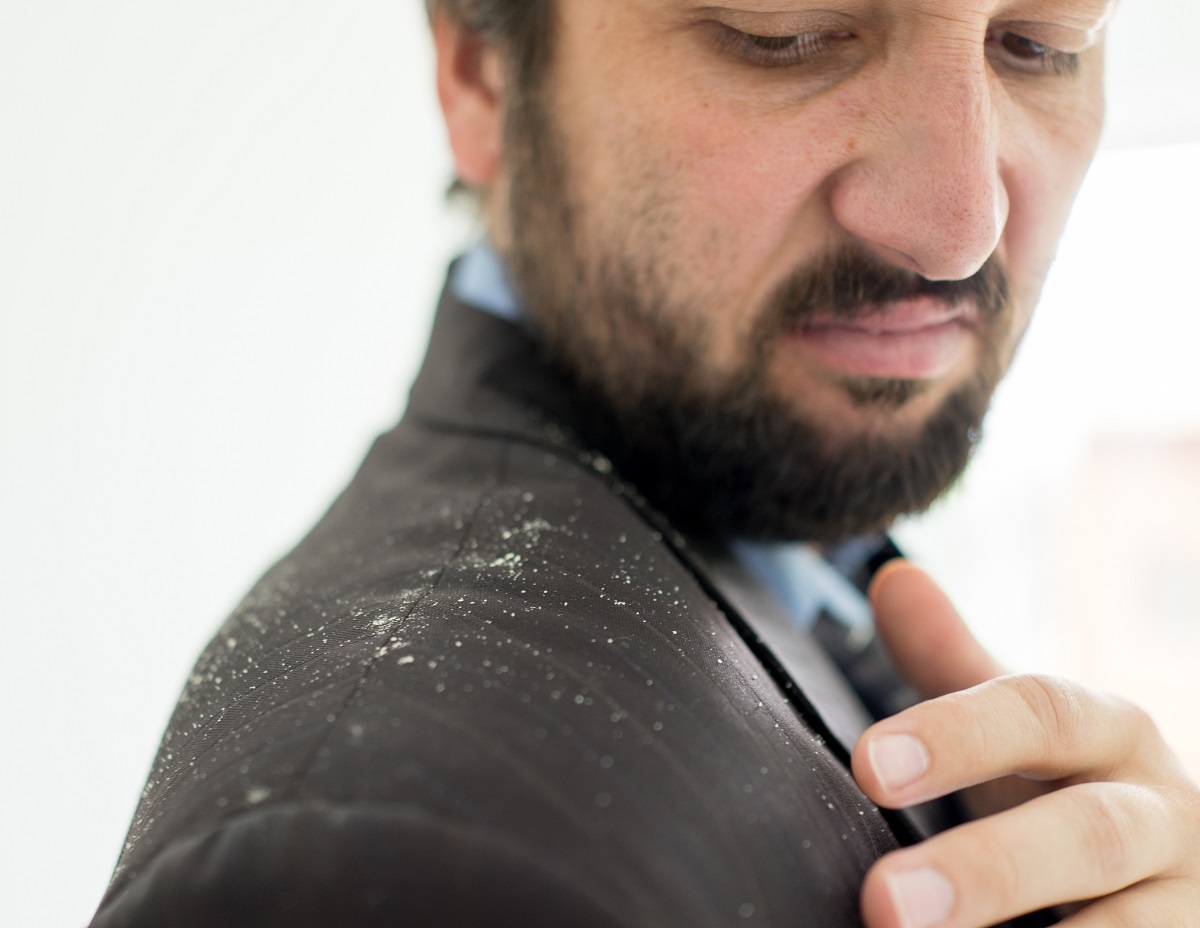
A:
[479,280]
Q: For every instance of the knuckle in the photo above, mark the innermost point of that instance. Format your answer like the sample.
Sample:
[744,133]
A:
[1056,706]
[1005,879]
[1107,831]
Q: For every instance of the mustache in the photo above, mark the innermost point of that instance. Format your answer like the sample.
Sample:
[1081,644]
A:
[851,284]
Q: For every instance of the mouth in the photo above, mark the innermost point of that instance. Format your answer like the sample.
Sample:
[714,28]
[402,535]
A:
[920,338]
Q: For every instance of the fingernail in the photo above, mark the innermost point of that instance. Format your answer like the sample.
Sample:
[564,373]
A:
[923,898]
[898,760]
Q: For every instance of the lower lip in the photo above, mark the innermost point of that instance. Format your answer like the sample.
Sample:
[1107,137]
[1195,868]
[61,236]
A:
[868,348]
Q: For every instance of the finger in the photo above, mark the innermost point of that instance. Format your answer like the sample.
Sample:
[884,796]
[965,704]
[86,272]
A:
[1039,727]
[1078,843]
[1147,905]
[924,634]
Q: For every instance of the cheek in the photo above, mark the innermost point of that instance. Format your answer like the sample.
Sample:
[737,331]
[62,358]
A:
[752,171]
[1040,200]
[1050,152]
[742,191]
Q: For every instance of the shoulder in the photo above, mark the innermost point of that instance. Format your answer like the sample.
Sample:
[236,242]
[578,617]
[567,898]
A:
[487,654]
[301,864]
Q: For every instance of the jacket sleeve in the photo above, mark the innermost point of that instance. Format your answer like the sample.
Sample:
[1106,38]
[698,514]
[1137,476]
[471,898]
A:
[304,865]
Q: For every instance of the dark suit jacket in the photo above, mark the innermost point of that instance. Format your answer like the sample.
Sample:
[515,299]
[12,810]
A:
[494,688]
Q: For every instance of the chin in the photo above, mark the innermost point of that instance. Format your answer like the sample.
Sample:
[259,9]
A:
[849,410]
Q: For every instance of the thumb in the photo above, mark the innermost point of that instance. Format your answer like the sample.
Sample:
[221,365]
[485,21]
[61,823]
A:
[924,634]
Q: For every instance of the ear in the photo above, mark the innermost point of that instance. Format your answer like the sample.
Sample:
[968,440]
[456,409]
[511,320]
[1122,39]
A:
[470,89]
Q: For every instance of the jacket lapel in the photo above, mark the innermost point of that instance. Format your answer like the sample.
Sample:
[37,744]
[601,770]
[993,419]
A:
[806,663]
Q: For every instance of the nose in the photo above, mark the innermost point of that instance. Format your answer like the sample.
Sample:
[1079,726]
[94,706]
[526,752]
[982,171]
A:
[925,190]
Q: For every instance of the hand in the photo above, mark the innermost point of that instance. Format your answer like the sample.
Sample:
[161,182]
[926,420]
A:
[1086,801]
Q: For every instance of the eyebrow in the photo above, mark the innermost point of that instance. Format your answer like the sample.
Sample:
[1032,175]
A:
[1089,10]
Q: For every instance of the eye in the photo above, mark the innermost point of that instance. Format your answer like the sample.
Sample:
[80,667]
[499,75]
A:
[777,51]
[1025,54]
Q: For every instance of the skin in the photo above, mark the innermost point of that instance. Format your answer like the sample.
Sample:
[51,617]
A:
[1087,801]
[725,174]
[739,172]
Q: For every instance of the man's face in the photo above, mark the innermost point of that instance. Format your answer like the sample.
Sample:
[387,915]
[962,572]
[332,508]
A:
[792,246]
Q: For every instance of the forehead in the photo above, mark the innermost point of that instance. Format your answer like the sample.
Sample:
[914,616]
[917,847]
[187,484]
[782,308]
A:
[1080,13]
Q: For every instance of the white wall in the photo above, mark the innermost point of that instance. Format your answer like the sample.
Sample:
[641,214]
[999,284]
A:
[221,234]
[1111,360]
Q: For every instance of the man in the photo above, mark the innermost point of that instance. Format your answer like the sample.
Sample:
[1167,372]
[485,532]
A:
[580,645]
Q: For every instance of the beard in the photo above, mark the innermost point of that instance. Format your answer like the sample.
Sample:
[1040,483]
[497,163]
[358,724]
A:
[730,455]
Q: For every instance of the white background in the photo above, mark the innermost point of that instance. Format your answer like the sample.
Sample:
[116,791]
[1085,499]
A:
[221,235]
